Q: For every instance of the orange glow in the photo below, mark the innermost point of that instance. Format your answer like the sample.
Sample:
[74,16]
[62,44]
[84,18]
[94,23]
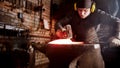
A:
[64,41]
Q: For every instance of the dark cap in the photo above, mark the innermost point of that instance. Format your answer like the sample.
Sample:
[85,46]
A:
[84,3]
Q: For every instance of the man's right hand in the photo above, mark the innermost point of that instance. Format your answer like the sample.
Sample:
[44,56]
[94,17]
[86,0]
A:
[61,34]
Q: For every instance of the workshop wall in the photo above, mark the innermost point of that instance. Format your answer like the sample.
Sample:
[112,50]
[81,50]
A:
[31,15]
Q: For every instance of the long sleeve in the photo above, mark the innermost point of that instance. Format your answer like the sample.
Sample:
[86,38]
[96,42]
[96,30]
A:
[115,40]
[109,31]
[118,30]
[61,23]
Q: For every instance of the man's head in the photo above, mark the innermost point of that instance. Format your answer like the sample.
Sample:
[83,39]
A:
[84,8]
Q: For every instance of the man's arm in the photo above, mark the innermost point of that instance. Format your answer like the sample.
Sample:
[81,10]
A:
[59,27]
[109,19]
[115,40]
[61,23]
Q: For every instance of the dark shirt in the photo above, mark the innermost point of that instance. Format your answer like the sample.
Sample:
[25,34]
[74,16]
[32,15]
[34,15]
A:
[84,28]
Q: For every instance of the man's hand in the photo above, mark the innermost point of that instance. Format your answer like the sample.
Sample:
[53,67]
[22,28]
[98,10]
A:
[114,42]
[61,34]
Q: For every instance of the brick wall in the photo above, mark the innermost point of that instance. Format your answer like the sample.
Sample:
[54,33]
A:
[30,20]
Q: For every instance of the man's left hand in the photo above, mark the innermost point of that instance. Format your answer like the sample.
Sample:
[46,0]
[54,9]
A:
[114,42]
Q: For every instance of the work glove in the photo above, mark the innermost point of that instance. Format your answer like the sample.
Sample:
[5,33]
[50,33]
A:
[114,42]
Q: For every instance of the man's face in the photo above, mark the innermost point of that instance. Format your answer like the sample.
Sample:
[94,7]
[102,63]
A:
[83,12]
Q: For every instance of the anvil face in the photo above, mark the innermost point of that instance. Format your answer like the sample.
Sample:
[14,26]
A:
[65,42]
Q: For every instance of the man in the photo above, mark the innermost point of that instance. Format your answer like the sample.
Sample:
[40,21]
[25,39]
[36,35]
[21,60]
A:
[85,22]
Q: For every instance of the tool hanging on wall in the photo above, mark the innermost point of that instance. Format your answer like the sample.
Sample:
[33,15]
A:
[21,10]
[41,19]
[40,9]
[16,4]
[28,7]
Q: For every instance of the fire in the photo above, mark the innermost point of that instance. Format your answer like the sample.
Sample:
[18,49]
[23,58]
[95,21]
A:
[64,41]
